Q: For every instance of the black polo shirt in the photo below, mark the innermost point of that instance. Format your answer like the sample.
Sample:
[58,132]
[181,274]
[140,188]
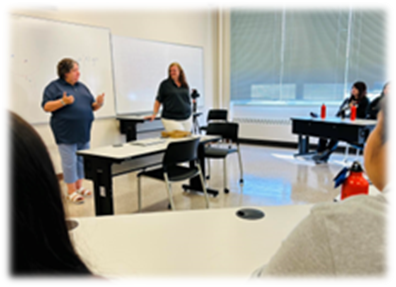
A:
[175,101]
[70,124]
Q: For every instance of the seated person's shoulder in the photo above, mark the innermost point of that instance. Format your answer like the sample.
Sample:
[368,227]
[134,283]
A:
[375,205]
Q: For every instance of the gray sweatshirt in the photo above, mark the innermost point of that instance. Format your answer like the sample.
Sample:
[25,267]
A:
[348,242]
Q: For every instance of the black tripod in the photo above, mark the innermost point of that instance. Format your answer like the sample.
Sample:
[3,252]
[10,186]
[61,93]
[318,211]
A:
[196,128]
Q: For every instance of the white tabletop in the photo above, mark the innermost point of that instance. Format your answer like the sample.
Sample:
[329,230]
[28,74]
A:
[360,122]
[127,150]
[182,243]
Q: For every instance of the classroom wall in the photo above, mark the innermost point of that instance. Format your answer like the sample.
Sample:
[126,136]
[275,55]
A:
[190,27]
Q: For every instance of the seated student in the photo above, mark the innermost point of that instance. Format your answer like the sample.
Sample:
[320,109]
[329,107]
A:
[374,106]
[345,238]
[358,98]
[39,236]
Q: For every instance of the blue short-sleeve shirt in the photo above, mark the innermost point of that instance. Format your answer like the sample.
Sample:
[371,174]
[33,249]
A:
[72,123]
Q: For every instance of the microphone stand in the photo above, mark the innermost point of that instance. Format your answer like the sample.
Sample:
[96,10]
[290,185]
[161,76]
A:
[196,127]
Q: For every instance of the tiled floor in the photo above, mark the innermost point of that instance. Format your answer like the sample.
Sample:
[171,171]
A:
[271,177]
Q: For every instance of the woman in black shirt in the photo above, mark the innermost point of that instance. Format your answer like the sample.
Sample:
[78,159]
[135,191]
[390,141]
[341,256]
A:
[173,95]
[358,98]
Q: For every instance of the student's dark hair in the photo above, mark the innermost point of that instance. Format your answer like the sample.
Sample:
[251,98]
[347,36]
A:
[65,66]
[39,236]
[386,109]
[362,88]
[388,83]
[383,89]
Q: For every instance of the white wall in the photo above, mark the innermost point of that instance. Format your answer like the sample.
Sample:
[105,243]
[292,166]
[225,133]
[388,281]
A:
[194,27]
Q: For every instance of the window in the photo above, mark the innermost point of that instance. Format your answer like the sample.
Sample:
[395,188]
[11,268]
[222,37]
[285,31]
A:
[305,57]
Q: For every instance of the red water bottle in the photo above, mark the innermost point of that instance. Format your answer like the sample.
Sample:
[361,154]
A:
[355,183]
[353,113]
[323,111]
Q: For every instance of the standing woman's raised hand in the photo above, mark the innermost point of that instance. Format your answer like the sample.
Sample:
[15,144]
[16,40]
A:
[68,100]
[100,99]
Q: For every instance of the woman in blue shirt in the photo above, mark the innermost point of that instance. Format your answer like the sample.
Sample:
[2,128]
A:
[72,106]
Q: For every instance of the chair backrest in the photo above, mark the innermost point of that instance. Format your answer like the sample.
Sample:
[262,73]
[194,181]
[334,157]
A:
[220,115]
[181,151]
[225,130]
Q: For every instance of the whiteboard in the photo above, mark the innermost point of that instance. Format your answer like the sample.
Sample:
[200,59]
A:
[37,45]
[141,65]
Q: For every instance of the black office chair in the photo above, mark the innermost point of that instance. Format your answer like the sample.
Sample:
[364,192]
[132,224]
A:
[216,115]
[171,171]
[229,133]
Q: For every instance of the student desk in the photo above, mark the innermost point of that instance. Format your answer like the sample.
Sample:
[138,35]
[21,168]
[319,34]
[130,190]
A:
[129,124]
[101,164]
[209,242]
[355,132]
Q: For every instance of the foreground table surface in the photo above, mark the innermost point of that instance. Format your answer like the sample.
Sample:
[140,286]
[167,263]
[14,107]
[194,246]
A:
[211,242]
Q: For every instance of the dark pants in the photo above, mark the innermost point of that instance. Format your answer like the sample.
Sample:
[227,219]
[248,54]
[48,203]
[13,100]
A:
[326,144]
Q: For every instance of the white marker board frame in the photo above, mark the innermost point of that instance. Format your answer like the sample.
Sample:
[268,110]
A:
[38,44]
[140,65]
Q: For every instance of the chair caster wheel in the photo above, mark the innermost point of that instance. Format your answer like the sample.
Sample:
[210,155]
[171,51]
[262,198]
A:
[226,190]
[169,206]
[241,180]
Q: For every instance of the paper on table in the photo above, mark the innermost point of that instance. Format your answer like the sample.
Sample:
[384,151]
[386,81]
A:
[148,142]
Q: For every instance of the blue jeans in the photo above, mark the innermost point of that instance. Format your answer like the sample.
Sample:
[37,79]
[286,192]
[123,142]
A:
[72,165]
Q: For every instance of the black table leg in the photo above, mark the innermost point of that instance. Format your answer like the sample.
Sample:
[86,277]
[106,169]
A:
[195,182]
[128,127]
[103,187]
[303,146]
[131,132]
